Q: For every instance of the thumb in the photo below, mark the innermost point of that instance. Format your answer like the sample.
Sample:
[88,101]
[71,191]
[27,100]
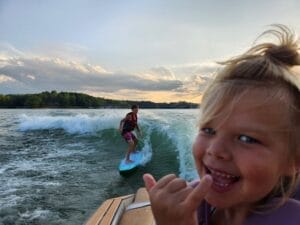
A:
[149,181]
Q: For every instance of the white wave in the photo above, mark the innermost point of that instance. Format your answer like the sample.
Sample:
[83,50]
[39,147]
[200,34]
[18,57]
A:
[2,170]
[181,129]
[178,125]
[38,213]
[147,151]
[81,123]
[10,200]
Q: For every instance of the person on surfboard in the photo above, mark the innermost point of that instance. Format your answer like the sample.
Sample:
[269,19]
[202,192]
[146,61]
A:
[127,125]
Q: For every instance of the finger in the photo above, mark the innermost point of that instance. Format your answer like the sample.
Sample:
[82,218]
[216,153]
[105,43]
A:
[175,185]
[199,192]
[183,194]
[165,180]
[149,181]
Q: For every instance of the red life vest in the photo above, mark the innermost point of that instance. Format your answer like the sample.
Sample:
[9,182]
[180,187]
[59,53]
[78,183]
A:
[130,124]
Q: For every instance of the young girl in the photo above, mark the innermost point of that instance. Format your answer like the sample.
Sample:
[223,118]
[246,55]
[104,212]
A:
[247,152]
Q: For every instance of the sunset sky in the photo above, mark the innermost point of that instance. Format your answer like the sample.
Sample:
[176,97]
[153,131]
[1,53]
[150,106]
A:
[158,50]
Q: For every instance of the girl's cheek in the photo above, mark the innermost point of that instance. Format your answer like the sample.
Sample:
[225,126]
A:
[198,148]
[198,153]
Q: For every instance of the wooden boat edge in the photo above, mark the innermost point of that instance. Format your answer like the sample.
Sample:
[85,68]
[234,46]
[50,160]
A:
[131,209]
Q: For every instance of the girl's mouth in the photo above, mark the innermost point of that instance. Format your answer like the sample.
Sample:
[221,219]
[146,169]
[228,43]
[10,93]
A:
[222,181]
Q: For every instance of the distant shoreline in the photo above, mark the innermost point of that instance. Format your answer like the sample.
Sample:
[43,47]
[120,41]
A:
[73,100]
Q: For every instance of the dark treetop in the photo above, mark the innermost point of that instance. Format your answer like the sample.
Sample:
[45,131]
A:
[55,99]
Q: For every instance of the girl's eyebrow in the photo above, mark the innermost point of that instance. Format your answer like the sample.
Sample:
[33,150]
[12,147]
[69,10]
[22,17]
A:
[263,129]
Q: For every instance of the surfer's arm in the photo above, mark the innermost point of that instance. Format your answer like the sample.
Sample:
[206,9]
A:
[139,130]
[122,124]
[137,127]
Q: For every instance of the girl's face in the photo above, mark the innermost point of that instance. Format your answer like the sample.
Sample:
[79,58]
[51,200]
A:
[245,153]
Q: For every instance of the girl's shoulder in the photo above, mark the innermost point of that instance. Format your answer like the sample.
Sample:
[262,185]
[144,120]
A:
[287,214]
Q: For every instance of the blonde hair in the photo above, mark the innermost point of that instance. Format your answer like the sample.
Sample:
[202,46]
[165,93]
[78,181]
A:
[266,66]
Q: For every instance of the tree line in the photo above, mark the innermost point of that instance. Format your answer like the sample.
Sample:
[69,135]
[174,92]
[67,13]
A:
[55,99]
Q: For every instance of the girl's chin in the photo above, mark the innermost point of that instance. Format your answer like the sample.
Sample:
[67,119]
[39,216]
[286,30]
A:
[217,202]
[221,196]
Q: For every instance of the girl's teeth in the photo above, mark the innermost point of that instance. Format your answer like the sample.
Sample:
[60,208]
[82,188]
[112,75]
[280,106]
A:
[222,174]
[221,184]
[222,180]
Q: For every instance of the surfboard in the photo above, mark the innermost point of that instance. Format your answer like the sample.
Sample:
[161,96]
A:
[126,168]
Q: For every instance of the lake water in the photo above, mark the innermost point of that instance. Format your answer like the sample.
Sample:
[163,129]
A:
[58,165]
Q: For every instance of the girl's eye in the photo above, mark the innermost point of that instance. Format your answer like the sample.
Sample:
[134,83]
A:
[209,131]
[248,140]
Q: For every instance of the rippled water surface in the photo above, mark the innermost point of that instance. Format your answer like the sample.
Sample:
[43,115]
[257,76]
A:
[58,166]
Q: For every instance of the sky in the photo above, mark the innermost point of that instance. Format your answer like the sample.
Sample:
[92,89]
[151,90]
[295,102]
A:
[157,50]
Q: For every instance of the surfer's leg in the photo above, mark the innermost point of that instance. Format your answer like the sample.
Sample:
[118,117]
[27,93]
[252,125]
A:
[135,140]
[131,147]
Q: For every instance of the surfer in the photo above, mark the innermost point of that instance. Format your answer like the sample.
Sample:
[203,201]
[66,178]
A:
[127,125]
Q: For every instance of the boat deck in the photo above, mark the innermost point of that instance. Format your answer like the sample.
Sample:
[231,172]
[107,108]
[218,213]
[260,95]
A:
[124,210]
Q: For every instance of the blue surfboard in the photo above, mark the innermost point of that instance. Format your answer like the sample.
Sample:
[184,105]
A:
[126,168]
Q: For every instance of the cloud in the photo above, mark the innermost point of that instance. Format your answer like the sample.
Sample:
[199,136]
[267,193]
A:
[8,49]
[5,79]
[162,72]
[194,77]
[156,96]
[43,73]
[7,84]
[70,51]
[22,72]
[203,69]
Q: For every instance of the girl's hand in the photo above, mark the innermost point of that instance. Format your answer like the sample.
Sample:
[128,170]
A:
[173,202]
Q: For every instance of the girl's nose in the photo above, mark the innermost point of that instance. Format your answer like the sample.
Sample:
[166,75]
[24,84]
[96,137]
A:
[218,149]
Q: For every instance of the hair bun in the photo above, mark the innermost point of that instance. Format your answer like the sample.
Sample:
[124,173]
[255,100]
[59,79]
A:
[285,54]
